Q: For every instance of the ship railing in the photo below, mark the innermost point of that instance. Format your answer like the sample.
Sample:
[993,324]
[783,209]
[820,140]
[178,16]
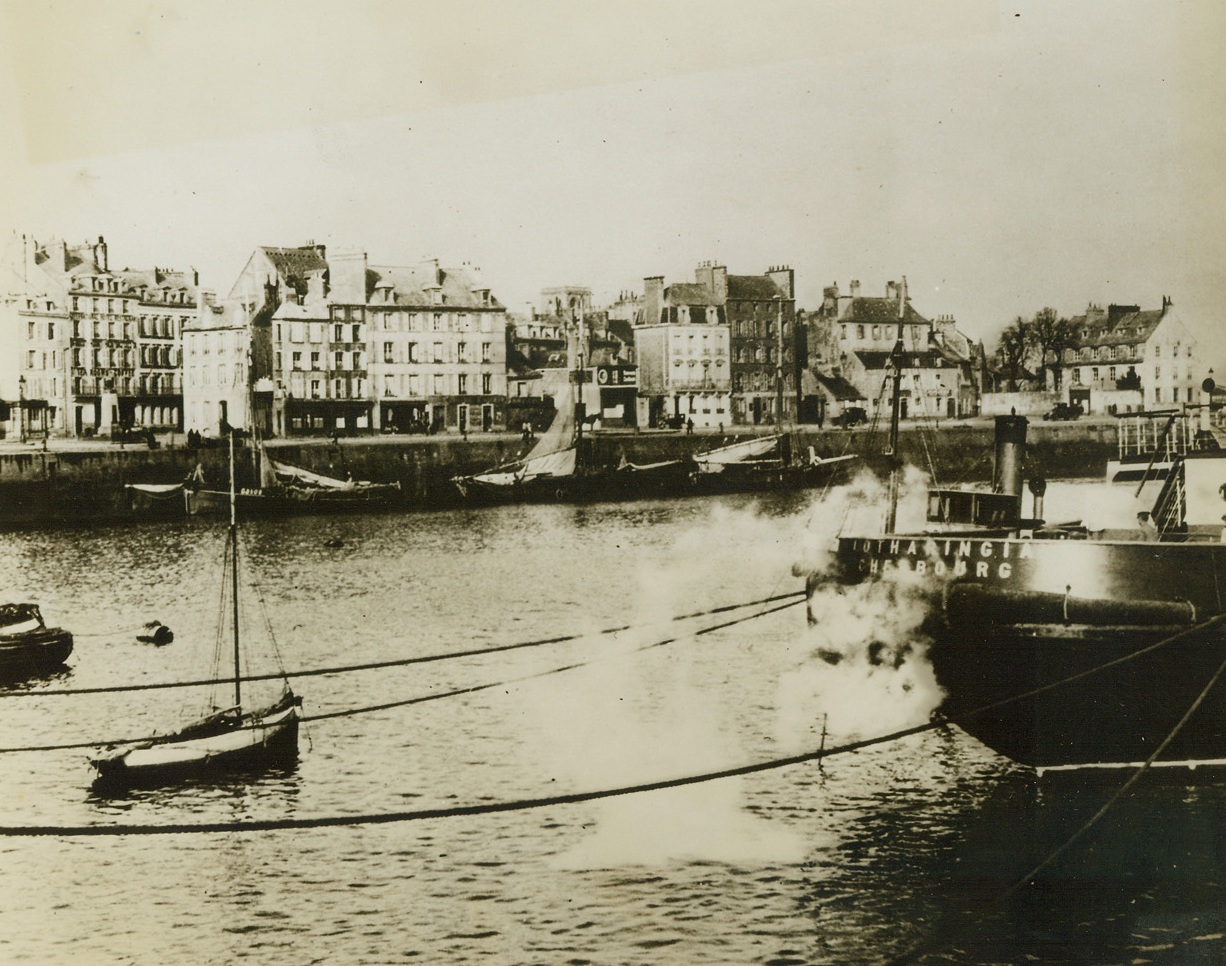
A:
[1168,515]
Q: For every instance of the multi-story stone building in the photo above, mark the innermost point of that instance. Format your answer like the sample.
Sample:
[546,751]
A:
[756,313]
[439,356]
[1123,348]
[98,350]
[337,346]
[859,334]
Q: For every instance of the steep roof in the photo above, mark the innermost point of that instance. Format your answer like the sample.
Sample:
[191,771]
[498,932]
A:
[296,262]
[753,287]
[876,310]
[838,387]
[688,293]
[1129,328]
[411,285]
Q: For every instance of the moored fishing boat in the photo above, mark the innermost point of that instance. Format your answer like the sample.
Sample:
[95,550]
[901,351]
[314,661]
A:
[27,644]
[238,738]
[1064,645]
[286,489]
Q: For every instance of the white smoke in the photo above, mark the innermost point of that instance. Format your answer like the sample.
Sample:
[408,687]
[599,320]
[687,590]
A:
[865,670]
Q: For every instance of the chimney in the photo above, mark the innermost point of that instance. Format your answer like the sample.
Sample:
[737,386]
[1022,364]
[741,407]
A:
[855,288]
[785,279]
[653,299]
[100,254]
[719,284]
[891,290]
[347,276]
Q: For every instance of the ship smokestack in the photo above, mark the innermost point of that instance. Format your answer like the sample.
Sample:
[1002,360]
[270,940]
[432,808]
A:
[1010,445]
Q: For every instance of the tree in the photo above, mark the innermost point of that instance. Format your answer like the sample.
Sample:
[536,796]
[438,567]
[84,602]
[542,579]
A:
[1050,335]
[1014,343]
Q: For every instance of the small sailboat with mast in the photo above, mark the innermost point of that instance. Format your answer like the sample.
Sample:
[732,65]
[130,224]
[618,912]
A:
[236,738]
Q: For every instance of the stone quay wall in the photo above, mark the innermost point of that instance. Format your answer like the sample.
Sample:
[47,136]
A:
[83,486]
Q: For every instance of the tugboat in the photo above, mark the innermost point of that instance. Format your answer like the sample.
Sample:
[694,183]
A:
[1062,645]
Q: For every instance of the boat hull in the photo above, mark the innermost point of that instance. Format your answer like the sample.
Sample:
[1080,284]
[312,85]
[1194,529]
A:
[264,740]
[289,501]
[33,652]
[1010,616]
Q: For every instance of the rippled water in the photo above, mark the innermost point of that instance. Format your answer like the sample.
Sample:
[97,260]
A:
[899,851]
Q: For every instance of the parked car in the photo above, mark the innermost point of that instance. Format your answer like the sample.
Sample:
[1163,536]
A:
[852,416]
[1064,411]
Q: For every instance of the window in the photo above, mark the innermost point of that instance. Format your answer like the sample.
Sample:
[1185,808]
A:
[438,321]
[414,384]
[357,333]
[462,352]
[314,360]
[1157,351]
[1157,373]
[485,351]
[462,386]
[297,360]
[859,332]
[314,388]
[487,382]
[338,333]
[413,352]
[438,352]
[440,385]
[339,361]
[277,364]
[389,352]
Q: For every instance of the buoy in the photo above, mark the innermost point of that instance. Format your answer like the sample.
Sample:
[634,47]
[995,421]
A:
[156,633]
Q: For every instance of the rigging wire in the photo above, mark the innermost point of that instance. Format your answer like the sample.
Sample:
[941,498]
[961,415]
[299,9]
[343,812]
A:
[392,662]
[405,702]
[941,941]
[513,805]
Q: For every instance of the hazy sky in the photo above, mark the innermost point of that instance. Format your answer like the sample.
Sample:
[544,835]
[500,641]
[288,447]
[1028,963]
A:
[1003,158]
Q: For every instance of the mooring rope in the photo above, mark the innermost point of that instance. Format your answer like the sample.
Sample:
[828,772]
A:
[935,943]
[455,811]
[390,663]
[420,699]
[383,818]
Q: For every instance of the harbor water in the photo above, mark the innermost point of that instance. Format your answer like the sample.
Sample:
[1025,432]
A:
[902,852]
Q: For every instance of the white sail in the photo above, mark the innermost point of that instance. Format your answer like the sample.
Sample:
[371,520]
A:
[288,473]
[713,461]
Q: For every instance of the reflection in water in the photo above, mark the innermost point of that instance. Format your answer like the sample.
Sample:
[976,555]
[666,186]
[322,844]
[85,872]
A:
[859,860]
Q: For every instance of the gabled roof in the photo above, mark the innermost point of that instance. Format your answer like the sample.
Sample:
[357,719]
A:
[838,387]
[296,262]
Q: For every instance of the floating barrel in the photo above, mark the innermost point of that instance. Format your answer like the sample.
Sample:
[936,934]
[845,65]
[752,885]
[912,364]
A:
[973,604]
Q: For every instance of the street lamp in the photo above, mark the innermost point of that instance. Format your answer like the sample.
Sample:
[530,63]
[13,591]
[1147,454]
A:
[21,406]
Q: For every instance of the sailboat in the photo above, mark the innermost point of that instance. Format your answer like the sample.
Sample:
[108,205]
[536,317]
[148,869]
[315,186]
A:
[286,489]
[762,463]
[230,739]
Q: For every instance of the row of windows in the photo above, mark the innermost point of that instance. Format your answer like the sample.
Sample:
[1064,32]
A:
[204,343]
[864,331]
[432,321]
[112,305]
[407,352]
[1113,373]
[316,361]
[410,386]
[225,375]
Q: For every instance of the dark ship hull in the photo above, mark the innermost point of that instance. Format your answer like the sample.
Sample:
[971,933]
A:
[1047,618]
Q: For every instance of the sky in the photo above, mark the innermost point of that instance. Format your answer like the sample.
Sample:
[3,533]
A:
[1003,157]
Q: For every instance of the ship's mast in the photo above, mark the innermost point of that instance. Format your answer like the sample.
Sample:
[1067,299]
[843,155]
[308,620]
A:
[895,407]
[238,696]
